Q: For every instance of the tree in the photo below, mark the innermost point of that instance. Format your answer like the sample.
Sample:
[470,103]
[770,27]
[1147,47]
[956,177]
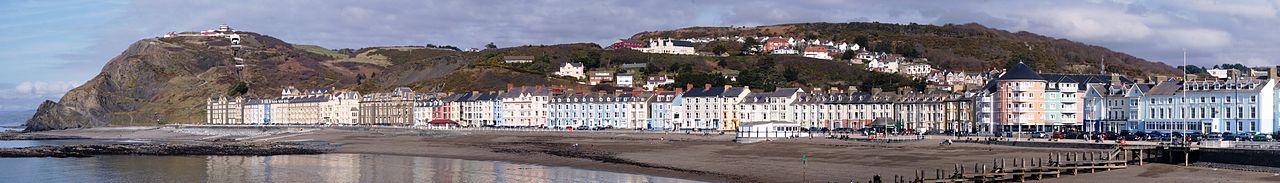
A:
[699,78]
[882,47]
[1192,69]
[750,41]
[907,50]
[719,49]
[747,44]
[722,63]
[790,74]
[861,41]
[848,55]
[239,89]
[589,59]
[490,46]
[811,36]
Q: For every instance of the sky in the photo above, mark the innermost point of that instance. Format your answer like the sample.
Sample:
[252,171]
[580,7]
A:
[51,46]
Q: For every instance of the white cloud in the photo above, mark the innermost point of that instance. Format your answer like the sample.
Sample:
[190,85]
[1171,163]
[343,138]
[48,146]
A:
[1194,38]
[1242,8]
[1088,22]
[41,87]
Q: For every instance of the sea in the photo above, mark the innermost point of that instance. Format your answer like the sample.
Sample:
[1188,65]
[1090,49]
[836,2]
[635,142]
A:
[292,168]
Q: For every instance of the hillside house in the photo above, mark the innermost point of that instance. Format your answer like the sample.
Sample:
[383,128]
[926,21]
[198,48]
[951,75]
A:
[517,59]
[652,82]
[669,46]
[784,51]
[573,70]
[627,44]
[625,80]
[915,69]
[597,77]
[818,52]
[774,43]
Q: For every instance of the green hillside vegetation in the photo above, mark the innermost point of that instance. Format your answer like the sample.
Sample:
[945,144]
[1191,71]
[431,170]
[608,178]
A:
[321,50]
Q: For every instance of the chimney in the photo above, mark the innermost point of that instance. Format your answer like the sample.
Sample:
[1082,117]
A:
[679,90]
[1115,78]
[876,90]
[688,86]
[852,89]
[1161,79]
[706,86]
[509,86]
[727,86]
[1271,72]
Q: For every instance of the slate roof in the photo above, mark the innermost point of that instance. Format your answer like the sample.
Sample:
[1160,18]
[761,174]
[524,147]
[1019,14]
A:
[574,64]
[734,92]
[681,43]
[702,92]
[1020,71]
[1082,79]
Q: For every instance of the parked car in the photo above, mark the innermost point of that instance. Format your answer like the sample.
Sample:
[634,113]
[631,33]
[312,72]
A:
[1214,136]
[1075,135]
[1157,135]
[1196,136]
[1230,136]
[1037,135]
[1247,136]
[843,130]
[1111,136]
[1059,135]
[1262,137]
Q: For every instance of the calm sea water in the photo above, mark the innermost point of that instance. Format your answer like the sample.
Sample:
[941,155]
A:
[296,168]
[29,143]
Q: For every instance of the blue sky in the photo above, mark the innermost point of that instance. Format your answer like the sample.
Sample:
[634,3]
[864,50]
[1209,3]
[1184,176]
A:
[50,46]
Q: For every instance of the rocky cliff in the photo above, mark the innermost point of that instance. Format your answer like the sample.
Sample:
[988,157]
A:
[167,80]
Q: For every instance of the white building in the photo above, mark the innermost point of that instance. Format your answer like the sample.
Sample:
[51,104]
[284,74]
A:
[479,109]
[573,70]
[1224,105]
[663,111]
[818,52]
[1221,73]
[915,69]
[785,51]
[770,106]
[625,80]
[342,108]
[525,106]
[669,46]
[517,59]
[652,82]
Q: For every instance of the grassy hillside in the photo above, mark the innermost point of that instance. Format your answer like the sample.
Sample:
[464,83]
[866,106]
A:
[321,50]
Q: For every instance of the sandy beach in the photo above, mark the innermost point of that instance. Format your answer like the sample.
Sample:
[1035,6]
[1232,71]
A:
[691,156]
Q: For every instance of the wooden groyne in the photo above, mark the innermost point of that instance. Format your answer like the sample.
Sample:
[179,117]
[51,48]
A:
[1052,165]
